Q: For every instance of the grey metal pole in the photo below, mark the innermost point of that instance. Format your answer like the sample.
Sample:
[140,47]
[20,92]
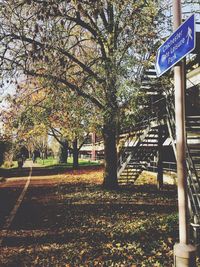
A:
[184,254]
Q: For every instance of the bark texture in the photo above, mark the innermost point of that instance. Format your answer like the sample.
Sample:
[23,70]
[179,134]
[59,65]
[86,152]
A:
[110,155]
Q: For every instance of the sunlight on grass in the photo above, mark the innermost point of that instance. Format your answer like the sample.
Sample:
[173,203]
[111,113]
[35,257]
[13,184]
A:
[53,162]
[9,165]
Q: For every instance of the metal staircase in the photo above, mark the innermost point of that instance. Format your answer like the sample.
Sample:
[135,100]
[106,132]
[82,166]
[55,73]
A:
[137,151]
[193,140]
[142,144]
[192,162]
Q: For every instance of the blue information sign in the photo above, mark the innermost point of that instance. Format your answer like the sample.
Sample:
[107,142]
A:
[177,46]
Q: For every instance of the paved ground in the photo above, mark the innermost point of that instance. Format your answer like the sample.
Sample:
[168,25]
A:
[29,163]
[15,190]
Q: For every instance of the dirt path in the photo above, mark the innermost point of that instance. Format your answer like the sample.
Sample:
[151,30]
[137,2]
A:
[9,219]
[14,188]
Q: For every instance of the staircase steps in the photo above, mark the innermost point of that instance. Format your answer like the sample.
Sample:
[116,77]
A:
[151,87]
[139,155]
[193,141]
[193,150]
[148,145]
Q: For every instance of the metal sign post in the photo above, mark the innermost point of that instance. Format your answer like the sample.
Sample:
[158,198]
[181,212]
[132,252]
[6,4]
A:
[184,253]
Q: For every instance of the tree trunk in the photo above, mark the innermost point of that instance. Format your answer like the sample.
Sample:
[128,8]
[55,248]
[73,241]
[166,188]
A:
[110,156]
[45,153]
[93,153]
[63,152]
[29,154]
[75,154]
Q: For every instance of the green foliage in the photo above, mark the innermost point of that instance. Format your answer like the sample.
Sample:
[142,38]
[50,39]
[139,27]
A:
[19,149]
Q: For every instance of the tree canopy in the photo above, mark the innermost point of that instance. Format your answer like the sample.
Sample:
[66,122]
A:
[95,49]
[46,110]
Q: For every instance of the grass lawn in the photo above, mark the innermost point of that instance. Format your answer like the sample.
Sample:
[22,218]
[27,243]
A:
[52,162]
[47,162]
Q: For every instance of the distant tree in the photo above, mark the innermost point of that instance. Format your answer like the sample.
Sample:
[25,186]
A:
[41,113]
[2,151]
[5,150]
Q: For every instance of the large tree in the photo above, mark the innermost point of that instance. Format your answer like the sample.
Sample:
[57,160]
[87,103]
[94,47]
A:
[89,47]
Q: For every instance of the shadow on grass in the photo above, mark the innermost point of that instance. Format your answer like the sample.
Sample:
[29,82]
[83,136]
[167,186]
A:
[91,222]
[76,223]
[70,165]
[83,210]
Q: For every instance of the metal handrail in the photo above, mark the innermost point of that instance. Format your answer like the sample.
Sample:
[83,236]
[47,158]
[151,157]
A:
[192,191]
[140,128]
